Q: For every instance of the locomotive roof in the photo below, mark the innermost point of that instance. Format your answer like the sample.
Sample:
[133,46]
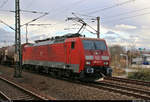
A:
[57,39]
[92,38]
[60,39]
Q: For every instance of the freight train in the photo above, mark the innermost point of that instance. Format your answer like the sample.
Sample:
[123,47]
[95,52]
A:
[71,55]
[6,55]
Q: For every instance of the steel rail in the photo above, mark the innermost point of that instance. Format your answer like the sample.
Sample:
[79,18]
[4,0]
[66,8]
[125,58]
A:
[98,85]
[132,81]
[118,86]
[124,90]
[119,90]
[4,97]
[114,88]
[34,95]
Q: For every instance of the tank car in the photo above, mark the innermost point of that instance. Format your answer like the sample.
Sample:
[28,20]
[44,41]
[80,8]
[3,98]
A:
[2,54]
[70,55]
[9,55]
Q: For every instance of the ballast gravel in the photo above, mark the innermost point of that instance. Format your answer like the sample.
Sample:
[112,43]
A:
[61,90]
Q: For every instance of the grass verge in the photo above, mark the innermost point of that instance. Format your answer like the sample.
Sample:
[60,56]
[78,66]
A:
[141,74]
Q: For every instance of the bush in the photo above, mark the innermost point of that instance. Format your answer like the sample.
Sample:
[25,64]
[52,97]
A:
[143,74]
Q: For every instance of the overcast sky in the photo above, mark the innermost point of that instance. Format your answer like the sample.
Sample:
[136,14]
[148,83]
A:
[123,22]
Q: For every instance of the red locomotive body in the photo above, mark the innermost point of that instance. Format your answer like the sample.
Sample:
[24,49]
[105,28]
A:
[72,56]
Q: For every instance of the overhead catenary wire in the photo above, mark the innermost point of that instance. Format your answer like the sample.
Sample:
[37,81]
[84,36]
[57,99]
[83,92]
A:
[23,24]
[86,15]
[34,12]
[65,7]
[128,17]
[7,25]
[12,11]
[35,19]
[85,28]
[113,6]
[38,24]
[85,22]
[125,13]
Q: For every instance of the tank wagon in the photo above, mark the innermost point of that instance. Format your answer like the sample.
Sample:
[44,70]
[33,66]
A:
[70,55]
[2,54]
[7,55]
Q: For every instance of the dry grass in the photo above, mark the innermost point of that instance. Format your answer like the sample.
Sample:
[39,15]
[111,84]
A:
[141,74]
[118,71]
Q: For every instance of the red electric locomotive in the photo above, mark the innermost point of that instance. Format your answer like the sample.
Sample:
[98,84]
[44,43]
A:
[70,55]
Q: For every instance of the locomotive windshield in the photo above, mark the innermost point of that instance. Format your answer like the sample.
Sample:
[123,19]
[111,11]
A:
[94,45]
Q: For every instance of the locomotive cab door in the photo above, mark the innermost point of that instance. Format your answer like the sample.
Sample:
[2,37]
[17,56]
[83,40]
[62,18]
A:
[70,46]
[68,51]
[72,56]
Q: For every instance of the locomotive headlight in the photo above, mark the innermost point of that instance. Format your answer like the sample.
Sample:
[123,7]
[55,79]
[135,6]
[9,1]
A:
[88,62]
[105,57]
[105,63]
[89,57]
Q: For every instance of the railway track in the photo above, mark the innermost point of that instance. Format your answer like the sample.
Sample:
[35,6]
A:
[4,97]
[113,84]
[124,90]
[116,88]
[13,91]
[130,91]
[135,88]
[131,81]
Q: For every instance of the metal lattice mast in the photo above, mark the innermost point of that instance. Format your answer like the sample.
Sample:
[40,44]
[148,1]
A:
[18,59]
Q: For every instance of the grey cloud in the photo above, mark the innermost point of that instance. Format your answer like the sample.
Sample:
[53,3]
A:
[6,38]
[110,38]
[59,10]
[110,32]
[4,35]
[38,37]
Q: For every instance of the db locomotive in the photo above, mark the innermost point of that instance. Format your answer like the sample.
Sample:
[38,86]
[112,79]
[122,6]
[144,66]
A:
[71,55]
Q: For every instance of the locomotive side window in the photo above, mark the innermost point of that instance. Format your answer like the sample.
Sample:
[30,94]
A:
[72,45]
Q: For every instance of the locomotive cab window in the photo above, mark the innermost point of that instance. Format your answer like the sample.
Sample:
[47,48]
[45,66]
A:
[72,45]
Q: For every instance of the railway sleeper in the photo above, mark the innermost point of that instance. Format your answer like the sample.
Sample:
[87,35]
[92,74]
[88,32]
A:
[123,92]
[126,88]
[24,97]
[139,82]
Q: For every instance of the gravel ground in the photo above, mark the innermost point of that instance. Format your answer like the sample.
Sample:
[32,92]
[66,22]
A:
[62,90]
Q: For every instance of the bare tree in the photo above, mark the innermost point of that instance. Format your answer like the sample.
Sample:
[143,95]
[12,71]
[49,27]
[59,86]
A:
[115,52]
